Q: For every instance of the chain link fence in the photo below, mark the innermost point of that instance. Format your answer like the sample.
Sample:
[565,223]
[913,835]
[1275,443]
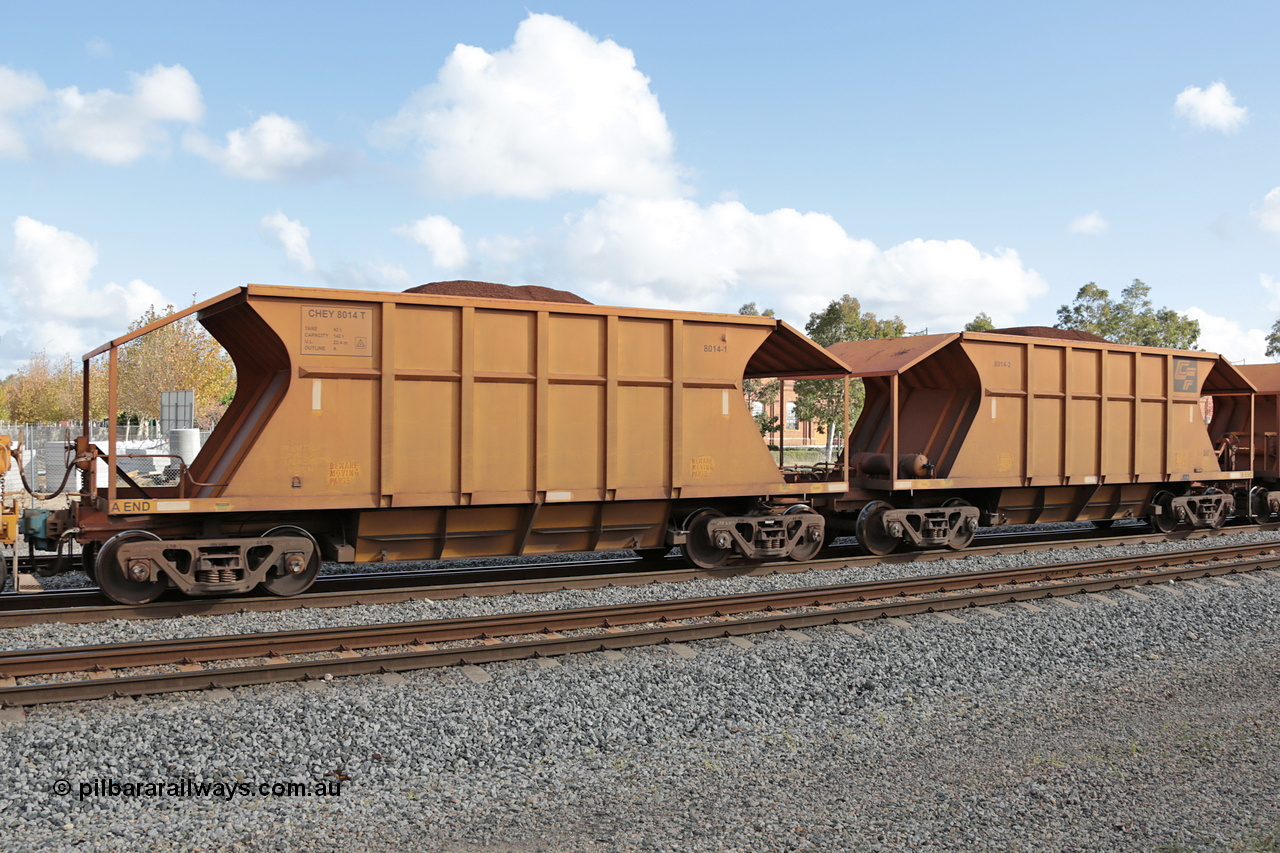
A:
[145,454]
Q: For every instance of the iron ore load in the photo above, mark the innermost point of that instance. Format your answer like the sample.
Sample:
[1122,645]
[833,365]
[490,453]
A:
[476,420]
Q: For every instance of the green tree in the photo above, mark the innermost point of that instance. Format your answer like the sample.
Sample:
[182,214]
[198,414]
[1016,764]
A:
[981,323]
[44,391]
[1273,341]
[762,391]
[48,391]
[1131,320]
[823,399]
[181,356]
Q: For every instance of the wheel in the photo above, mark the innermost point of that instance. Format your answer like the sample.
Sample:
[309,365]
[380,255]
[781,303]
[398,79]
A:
[111,579]
[963,537]
[1166,521]
[282,583]
[873,537]
[698,548]
[1259,505]
[806,549]
[88,553]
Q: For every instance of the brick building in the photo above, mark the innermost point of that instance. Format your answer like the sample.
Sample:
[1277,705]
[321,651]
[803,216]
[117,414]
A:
[795,433]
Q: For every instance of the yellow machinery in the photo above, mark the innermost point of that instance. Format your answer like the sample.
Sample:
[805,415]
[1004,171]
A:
[8,509]
[8,515]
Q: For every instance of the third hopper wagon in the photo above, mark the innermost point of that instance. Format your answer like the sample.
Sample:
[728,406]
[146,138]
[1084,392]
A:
[1038,425]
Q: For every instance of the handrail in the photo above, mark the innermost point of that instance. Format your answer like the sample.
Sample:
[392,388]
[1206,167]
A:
[184,474]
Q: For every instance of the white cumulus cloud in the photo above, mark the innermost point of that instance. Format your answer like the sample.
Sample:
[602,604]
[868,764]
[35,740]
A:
[1214,107]
[557,111]
[19,91]
[440,236]
[1272,288]
[1269,213]
[677,253]
[1090,223]
[1229,338]
[48,285]
[273,148]
[290,235]
[121,128]
[392,274]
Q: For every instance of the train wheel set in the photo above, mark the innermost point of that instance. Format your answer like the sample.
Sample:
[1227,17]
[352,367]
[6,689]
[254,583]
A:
[437,425]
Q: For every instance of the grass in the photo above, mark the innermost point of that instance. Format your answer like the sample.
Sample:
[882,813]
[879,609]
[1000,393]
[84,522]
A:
[797,456]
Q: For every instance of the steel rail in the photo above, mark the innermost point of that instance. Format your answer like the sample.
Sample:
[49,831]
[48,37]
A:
[147,653]
[896,598]
[341,590]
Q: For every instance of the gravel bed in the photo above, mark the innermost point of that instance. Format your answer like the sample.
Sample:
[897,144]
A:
[55,634]
[1140,725]
[76,579]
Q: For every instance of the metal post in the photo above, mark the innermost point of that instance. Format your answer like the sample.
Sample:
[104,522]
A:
[85,430]
[844,465]
[893,430]
[1253,443]
[782,420]
[84,404]
[112,395]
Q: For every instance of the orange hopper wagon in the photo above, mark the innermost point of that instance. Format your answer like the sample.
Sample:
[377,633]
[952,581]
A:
[416,426]
[1032,426]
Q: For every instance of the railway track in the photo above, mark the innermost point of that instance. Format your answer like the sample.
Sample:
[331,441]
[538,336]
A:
[109,670]
[85,605]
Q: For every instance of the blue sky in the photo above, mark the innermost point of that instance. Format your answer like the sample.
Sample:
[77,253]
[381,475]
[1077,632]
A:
[933,162]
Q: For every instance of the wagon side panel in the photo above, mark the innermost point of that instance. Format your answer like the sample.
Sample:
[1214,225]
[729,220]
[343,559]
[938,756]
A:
[316,447]
[719,449]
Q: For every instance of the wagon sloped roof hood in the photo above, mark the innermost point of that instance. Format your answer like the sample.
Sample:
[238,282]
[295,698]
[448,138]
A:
[786,353]
[1264,377]
[1226,378]
[888,356]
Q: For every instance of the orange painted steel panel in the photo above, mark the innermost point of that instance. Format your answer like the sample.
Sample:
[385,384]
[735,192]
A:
[1016,411]
[459,426]
[886,356]
[1264,377]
